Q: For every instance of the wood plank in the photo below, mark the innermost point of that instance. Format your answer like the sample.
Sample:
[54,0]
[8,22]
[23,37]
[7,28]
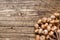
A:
[15,35]
[18,18]
[22,38]
[17,23]
[26,30]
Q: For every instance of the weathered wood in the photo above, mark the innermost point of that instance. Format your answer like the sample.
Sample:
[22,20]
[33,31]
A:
[26,30]
[15,35]
[22,15]
[22,38]
[18,18]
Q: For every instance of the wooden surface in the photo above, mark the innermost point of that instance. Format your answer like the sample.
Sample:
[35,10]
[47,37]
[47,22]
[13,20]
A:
[18,17]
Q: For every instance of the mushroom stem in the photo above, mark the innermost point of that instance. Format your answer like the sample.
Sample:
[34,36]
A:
[37,37]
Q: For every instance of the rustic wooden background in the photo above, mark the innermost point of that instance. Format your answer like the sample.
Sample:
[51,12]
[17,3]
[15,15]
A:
[17,17]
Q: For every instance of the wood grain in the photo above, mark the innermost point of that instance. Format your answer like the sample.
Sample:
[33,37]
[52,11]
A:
[18,17]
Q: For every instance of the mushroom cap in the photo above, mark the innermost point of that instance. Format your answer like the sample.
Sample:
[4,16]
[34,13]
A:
[46,24]
[45,32]
[54,28]
[50,25]
[56,21]
[51,33]
[48,28]
[49,19]
[42,26]
[40,30]
[58,30]
[36,30]
[37,37]
[44,19]
[47,37]
[39,21]
[53,17]
[42,37]
[36,26]
[57,14]
[52,21]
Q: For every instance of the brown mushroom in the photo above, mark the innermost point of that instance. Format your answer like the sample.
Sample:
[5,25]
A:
[57,14]
[53,17]
[40,30]
[48,28]
[46,24]
[39,21]
[52,21]
[56,21]
[42,37]
[49,19]
[42,26]
[54,28]
[45,32]
[51,33]
[37,37]
[36,26]
[44,19]
[36,30]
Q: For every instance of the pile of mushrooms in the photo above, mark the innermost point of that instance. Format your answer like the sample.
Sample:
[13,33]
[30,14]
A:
[46,27]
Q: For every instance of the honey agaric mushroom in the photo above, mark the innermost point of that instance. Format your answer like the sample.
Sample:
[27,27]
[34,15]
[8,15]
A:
[36,26]
[46,27]
[53,17]
[57,14]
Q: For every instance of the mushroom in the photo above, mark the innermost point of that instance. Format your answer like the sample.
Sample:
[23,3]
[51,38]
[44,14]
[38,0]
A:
[36,26]
[57,14]
[42,37]
[49,19]
[39,21]
[42,26]
[44,19]
[47,37]
[40,30]
[50,25]
[52,21]
[53,17]
[56,21]
[53,28]
[58,30]
[37,37]
[46,24]
[51,33]
[48,28]
[45,32]
[36,30]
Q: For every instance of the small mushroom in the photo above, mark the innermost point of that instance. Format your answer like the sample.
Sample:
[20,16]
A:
[53,28]
[45,32]
[51,33]
[36,26]
[56,21]
[46,24]
[49,19]
[47,37]
[37,37]
[42,37]
[48,28]
[39,21]
[53,17]
[36,30]
[58,30]
[40,30]
[57,14]
[50,25]
[52,21]
[44,20]
[42,26]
